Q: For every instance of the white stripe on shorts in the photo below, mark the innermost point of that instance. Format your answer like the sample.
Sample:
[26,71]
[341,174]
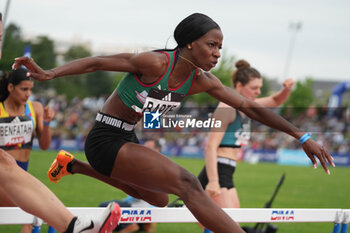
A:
[227,161]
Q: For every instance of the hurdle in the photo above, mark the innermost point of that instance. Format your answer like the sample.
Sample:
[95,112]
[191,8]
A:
[340,217]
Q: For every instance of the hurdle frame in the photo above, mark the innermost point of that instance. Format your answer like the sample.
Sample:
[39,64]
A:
[340,217]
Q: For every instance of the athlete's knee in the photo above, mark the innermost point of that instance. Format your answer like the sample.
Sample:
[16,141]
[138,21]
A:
[189,185]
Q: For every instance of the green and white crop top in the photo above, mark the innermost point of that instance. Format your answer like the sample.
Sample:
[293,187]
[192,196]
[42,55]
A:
[157,96]
[237,133]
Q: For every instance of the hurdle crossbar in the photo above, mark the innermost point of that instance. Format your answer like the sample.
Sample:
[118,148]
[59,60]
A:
[15,215]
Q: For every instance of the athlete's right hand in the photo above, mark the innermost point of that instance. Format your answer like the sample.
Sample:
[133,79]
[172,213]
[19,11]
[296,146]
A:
[213,188]
[288,83]
[34,70]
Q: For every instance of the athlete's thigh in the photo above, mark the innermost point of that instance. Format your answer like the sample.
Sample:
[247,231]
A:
[222,199]
[152,197]
[146,168]
[7,164]
[6,161]
[5,199]
[233,198]
[155,198]
[227,198]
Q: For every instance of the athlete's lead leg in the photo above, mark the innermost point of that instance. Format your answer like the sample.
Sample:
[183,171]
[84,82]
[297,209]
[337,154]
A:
[138,165]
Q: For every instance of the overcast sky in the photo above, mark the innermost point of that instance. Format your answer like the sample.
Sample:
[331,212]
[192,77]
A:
[256,30]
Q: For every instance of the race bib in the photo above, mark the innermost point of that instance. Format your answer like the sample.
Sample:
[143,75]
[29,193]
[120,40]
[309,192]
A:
[15,131]
[162,101]
[243,134]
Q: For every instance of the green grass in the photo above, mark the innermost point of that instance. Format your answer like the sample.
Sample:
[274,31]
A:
[303,187]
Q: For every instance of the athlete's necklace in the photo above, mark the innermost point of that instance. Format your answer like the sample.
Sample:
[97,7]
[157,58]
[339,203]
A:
[189,61]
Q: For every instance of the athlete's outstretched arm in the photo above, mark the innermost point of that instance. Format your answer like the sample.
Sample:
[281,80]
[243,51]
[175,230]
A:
[212,85]
[145,63]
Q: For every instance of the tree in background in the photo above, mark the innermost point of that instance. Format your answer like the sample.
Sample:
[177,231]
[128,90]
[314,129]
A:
[43,52]
[91,84]
[224,72]
[77,83]
[300,99]
[266,88]
[13,46]
[42,49]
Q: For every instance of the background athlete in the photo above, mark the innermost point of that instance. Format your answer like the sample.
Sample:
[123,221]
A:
[20,120]
[223,147]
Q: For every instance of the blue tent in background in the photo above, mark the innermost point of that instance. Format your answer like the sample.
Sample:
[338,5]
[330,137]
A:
[335,101]
[27,53]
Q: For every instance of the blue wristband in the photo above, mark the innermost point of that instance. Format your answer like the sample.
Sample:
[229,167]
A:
[304,138]
[46,123]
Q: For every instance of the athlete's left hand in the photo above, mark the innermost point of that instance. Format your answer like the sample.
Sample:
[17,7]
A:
[313,149]
[34,70]
[213,188]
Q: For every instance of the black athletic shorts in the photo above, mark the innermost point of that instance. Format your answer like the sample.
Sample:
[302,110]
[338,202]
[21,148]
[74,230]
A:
[104,142]
[225,175]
